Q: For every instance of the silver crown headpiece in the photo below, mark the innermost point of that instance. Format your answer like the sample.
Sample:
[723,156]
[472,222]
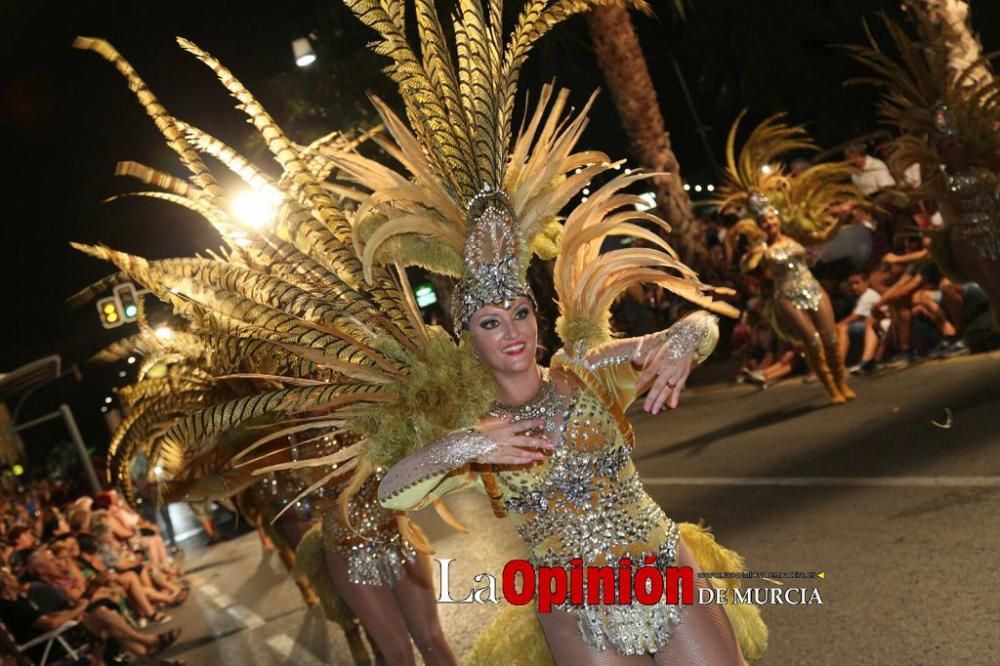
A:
[492,257]
[759,204]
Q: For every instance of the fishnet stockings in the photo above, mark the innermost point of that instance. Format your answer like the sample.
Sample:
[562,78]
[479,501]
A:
[392,615]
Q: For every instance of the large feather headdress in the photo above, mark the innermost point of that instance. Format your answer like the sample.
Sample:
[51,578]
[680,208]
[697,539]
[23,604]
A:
[472,200]
[316,305]
[928,96]
[758,182]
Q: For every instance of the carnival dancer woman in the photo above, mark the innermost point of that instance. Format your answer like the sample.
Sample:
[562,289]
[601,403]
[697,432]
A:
[805,205]
[323,294]
[566,486]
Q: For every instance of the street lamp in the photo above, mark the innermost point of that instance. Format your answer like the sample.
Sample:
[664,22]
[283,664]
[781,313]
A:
[303,51]
[256,207]
[164,332]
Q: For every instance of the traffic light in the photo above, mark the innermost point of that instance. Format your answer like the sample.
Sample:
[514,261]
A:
[110,312]
[425,295]
[128,301]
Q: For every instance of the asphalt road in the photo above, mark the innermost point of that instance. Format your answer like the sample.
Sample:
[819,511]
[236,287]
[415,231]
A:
[900,513]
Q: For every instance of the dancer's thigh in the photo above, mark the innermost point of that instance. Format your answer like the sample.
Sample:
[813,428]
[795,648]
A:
[704,637]
[378,611]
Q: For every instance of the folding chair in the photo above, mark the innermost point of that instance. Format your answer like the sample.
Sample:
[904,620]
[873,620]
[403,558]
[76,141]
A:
[48,638]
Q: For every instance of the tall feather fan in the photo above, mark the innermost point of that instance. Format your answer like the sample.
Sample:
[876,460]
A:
[458,144]
[280,327]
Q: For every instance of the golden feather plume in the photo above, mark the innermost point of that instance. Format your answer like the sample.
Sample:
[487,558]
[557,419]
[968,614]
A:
[805,200]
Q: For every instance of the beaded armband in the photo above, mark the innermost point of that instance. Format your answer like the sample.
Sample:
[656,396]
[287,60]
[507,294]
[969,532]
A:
[697,333]
[449,453]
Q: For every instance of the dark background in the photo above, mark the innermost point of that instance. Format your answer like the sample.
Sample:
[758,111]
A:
[66,118]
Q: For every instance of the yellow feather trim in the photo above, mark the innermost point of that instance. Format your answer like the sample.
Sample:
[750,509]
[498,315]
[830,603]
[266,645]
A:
[310,562]
[751,632]
[514,637]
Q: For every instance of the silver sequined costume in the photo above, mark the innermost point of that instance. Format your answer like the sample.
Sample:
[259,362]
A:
[372,545]
[972,207]
[785,263]
[585,500]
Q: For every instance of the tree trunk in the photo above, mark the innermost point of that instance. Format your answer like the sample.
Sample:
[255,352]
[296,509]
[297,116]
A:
[621,61]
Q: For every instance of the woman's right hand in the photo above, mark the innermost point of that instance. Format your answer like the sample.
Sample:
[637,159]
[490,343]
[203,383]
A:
[510,444]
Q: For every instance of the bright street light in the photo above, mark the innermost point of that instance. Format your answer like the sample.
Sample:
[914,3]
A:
[256,207]
[303,50]
[164,332]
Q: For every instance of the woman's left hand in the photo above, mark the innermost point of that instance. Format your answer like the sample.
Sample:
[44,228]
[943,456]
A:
[670,373]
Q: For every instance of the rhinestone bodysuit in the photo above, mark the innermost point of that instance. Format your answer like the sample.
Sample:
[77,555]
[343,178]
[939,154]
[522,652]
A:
[373,547]
[973,210]
[785,262]
[585,500]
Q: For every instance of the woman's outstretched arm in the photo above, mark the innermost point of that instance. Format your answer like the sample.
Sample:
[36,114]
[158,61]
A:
[658,363]
[445,465]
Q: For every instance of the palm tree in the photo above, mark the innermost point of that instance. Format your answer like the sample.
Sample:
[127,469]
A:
[620,58]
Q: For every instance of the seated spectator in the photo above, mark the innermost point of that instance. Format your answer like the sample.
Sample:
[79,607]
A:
[119,559]
[78,519]
[148,533]
[142,599]
[852,327]
[897,297]
[632,313]
[873,174]
[45,567]
[927,295]
[21,538]
[31,610]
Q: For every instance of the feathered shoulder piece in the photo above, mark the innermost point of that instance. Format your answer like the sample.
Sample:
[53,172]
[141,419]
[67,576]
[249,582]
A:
[757,180]
[929,95]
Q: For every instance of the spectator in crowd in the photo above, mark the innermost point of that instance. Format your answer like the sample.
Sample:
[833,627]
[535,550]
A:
[633,314]
[852,327]
[873,174]
[56,573]
[142,599]
[922,280]
[29,610]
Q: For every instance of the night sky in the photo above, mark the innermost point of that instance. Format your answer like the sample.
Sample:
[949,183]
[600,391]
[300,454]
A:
[66,118]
